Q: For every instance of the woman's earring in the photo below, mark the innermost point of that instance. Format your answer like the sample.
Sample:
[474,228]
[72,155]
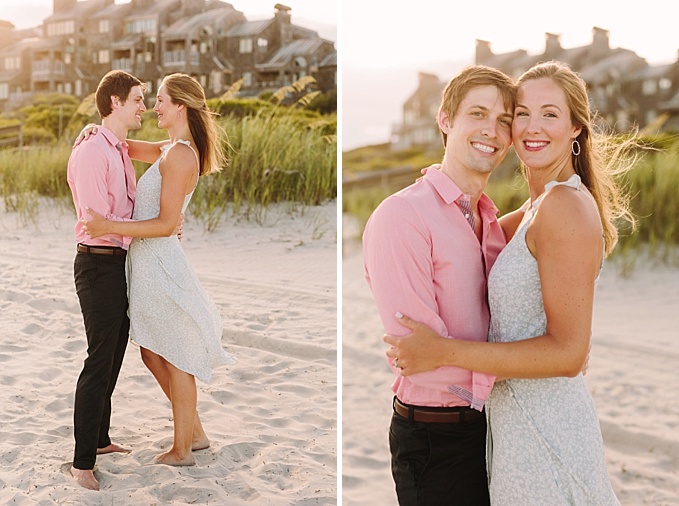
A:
[575,148]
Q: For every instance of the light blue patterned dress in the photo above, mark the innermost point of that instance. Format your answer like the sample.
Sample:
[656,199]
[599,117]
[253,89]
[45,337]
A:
[170,312]
[544,441]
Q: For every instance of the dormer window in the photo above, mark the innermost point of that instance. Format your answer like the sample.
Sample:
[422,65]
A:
[61,28]
[246,46]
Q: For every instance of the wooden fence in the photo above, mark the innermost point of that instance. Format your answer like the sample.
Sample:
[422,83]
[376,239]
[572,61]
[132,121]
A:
[391,179]
[12,135]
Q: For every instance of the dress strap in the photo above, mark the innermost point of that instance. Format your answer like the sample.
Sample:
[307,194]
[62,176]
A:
[188,143]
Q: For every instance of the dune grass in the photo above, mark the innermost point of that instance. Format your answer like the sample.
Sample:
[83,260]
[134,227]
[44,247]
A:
[274,156]
[653,185]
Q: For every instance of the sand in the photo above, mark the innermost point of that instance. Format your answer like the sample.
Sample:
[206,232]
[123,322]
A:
[271,418]
[633,375]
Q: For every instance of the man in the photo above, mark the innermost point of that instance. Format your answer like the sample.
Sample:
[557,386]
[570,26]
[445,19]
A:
[102,178]
[427,253]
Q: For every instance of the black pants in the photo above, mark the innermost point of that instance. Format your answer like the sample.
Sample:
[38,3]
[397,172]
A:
[102,291]
[439,464]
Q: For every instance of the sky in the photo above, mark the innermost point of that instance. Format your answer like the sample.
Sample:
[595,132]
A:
[385,44]
[317,15]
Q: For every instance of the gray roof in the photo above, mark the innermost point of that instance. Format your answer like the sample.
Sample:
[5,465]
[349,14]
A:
[249,28]
[616,66]
[112,10]
[127,41]
[185,26]
[330,60]
[20,46]
[79,10]
[289,51]
[156,8]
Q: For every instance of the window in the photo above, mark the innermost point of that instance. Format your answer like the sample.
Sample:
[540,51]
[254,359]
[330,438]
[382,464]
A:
[141,26]
[246,45]
[665,84]
[262,44]
[104,26]
[216,80]
[68,89]
[61,28]
[649,87]
[78,88]
[104,56]
[4,91]
[12,63]
[247,79]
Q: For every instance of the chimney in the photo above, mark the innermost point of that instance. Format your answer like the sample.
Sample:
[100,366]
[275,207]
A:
[552,46]
[283,23]
[483,52]
[191,7]
[63,5]
[600,43]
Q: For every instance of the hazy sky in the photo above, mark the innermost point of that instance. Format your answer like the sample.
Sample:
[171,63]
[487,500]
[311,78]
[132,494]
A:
[318,15]
[385,44]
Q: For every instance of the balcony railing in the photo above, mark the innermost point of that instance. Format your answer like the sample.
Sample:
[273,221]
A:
[44,70]
[122,64]
[179,58]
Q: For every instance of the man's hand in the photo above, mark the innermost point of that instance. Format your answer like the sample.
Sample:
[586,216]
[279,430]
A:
[179,229]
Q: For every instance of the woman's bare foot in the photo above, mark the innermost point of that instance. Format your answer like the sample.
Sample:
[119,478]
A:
[173,459]
[200,444]
[85,478]
[112,448]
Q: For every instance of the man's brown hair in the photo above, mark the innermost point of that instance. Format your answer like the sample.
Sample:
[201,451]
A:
[116,83]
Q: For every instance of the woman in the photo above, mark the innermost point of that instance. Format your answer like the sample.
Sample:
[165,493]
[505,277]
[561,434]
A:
[172,319]
[544,444]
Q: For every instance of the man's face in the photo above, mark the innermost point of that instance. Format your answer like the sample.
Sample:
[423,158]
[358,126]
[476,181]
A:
[480,133]
[130,112]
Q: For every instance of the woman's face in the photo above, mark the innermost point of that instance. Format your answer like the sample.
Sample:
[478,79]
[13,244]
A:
[167,111]
[542,131]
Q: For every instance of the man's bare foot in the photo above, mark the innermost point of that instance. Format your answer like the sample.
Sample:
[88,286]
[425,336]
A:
[112,448]
[200,444]
[85,478]
[173,459]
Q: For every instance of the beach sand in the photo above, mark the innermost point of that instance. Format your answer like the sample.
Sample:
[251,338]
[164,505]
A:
[633,375]
[271,418]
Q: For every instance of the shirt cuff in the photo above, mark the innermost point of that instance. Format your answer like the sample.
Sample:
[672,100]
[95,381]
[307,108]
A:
[482,384]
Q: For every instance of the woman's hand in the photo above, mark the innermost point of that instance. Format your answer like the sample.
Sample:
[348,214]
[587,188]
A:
[85,133]
[418,352]
[96,226]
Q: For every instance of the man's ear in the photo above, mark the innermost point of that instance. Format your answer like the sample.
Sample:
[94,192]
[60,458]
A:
[444,121]
[115,102]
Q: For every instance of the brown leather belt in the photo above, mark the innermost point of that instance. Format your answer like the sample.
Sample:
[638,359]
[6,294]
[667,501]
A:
[436,415]
[101,250]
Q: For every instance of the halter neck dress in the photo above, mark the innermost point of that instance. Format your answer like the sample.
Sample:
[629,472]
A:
[170,312]
[544,440]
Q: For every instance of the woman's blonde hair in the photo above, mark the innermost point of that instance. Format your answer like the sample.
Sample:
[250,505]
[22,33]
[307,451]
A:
[601,157]
[207,134]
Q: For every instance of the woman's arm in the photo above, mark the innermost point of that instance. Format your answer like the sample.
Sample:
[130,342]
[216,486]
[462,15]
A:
[565,238]
[145,151]
[179,170]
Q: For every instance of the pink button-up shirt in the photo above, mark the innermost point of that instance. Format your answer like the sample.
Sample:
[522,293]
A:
[101,176]
[423,259]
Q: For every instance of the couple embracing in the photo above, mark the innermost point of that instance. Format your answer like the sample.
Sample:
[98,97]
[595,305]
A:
[490,320]
[127,246]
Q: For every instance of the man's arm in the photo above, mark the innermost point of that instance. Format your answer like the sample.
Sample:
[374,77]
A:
[400,271]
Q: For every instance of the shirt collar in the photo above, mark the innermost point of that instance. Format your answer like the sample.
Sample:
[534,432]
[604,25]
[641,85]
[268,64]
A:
[450,192]
[111,137]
